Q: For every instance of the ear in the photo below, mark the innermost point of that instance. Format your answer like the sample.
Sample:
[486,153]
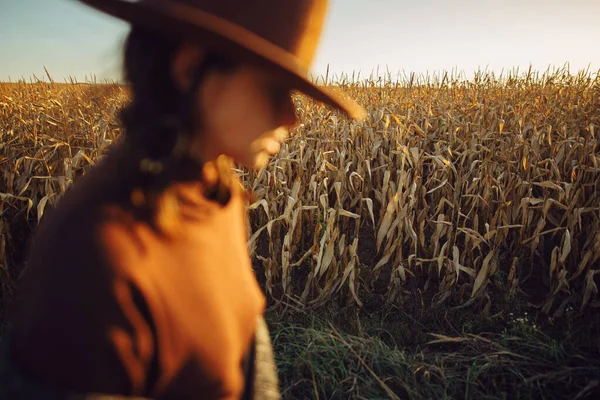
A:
[183,64]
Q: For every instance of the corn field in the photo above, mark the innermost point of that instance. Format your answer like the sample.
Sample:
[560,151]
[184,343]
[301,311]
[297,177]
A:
[451,193]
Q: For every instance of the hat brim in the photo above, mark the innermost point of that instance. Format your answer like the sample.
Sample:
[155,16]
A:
[186,21]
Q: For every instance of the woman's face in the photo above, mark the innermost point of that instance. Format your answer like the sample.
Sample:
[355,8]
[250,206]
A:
[243,114]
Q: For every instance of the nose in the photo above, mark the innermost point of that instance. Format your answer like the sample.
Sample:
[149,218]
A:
[288,116]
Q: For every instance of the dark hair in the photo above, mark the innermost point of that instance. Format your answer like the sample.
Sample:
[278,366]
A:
[160,116]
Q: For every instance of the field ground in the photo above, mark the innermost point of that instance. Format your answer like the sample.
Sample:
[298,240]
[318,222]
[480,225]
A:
[448,247]
[454,354]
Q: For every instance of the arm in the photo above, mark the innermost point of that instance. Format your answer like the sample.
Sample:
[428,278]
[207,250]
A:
[81,326]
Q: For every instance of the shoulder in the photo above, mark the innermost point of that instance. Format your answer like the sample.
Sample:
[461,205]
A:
[78,242]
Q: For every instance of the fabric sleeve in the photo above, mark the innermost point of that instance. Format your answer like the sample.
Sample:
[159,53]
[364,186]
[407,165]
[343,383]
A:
[82,326]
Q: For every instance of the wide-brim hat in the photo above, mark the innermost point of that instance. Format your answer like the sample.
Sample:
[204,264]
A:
[279,35]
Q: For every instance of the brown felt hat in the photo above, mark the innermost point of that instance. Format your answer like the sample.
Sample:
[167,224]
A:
[280,35]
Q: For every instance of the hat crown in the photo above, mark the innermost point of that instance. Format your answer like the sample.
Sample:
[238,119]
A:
[295,26]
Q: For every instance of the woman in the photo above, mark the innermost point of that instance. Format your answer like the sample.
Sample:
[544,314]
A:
[140,283]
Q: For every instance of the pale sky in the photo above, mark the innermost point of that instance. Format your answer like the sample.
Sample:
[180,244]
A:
[426,36]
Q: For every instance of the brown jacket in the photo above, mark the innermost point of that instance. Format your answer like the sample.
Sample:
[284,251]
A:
[109,305]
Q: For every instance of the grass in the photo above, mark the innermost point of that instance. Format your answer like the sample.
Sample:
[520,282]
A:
[322,357]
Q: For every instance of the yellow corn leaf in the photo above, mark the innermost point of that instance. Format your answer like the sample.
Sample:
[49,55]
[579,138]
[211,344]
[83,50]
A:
[327,258]
[24,188]
[353,287]
[295,190]
[392,229]
[456,260]
[441,257]
[42,205]
[566,248]
[324,201]
[353,256]
[338,191]
[473,235]
[584,262]
[490,234]
[563,283]
[256,234]
[403,271]
[351,179]
[533,201]
[386,182]
[347,270]
[262,203]
[483,272]
[387,220]
[370,208]
[415,153]
[548,185]
[285,264]
[590,287]
[553,261]
[408,225]
[342,245]
[345,213]
[407,157]
[326,237]
[438,187]
[6,196]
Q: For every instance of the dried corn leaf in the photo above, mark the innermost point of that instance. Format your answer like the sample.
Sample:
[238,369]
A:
[483,273]
[370,208]
[387,220]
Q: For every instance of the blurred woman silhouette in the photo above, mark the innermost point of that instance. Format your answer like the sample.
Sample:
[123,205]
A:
[140,282]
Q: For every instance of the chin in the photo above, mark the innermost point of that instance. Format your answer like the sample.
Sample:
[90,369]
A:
[253,160]
[260,161]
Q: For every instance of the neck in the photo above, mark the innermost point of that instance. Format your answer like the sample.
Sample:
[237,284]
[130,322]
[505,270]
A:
[199,147]
[214,174]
